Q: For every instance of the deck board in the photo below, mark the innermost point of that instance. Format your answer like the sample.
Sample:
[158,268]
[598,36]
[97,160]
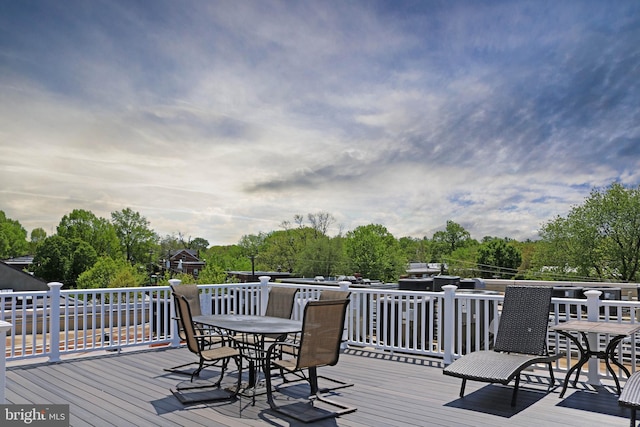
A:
[132,388]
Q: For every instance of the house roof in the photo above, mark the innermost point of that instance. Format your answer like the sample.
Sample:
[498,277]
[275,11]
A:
[19,281]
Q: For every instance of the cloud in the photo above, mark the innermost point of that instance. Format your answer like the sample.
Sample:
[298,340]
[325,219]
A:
[221,119]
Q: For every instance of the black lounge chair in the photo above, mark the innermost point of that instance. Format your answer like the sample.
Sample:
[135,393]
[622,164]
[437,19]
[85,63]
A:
[319,345]
[220,355]
[521,341]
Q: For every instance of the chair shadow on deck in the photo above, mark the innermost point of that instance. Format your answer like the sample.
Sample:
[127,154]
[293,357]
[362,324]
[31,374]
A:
[598,399]
[495,399]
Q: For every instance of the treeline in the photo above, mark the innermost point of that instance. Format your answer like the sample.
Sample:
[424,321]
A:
[598,240]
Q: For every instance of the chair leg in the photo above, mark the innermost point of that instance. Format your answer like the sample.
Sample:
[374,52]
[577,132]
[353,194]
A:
[464,383]
[515,390]
[267,380]
[553,380]
[178,369]
[313,380]
[633,417]
[211,391]
[197,371]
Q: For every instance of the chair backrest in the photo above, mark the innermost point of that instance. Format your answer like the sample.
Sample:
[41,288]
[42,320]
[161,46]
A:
[192,294]
[524,320]
[322,328]
[186,321]
[280,303]
[328,294]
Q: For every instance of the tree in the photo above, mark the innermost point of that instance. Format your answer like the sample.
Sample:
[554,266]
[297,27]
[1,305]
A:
[374,252]
[321,257]
[98,232]
[463,261]
[599,238]
[199,244]
[498,258]
[83,257]
[444,242]
[37,237]
[282,248]
[251,245]
[321,222]
[52,259]
[13,238]
[212,273]
[110,273]
[227,258]
[301,248]
[59,259]
[136,238]
[415,250]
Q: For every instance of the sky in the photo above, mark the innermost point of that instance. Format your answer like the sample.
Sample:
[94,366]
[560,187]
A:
[218,119]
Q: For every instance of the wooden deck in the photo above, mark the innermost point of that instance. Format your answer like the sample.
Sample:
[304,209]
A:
[131,389]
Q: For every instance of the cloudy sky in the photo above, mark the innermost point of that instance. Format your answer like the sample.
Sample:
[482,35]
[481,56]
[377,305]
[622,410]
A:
[217,119]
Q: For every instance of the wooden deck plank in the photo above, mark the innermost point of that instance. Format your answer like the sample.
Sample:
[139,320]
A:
[390,390]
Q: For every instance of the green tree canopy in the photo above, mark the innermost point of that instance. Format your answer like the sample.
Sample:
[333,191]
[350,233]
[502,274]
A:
[496,257]
[98,232]
[37,237]
[374,252]
[137,239]
[600,238]
[13,238]
[199,244]
[227,257]
[322,256]
[52,260]
[59,259]
[444,242]
[82,258]
[110,273]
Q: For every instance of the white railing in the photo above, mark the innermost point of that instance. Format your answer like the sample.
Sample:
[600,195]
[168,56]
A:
[439,324]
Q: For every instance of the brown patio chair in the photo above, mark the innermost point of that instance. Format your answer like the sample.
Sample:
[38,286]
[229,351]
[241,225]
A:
[280,304]
[330,294]
[521,341]
[281,301]
[319,346]
[192,294]
[197,343]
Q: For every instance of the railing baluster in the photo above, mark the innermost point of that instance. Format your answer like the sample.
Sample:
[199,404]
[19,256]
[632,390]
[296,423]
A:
[54,329]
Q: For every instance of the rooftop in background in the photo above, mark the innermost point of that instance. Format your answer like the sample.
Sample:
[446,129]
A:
[423,269]
[16,279]
[247,276]
[19,263]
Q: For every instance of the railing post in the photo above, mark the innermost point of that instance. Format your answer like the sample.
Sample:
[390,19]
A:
[54,321]
[593,315]
[344,286]
[4,328]
[264,293]
[449,313]
[175,336]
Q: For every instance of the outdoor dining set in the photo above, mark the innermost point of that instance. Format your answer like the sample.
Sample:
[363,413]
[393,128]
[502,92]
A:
[273,344]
